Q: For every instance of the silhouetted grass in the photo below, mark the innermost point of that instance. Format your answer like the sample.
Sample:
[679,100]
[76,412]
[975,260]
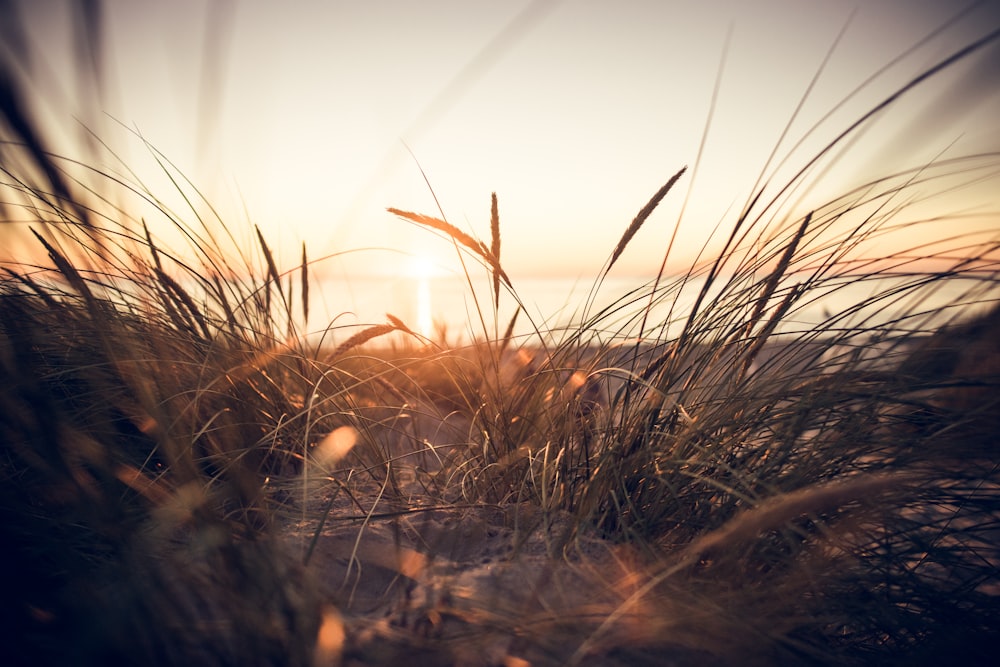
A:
[184,479]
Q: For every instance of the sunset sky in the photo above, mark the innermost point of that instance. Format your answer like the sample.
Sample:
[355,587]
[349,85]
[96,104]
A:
[301,116]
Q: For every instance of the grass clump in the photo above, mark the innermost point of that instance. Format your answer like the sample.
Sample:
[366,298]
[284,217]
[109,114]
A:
[698,473]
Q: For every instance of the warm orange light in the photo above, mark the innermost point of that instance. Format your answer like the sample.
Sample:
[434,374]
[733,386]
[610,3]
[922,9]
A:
[421,270]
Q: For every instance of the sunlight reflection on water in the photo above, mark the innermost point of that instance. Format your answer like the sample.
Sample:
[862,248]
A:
[432,304]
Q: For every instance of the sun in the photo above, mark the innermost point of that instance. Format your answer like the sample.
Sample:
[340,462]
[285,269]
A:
[421,267]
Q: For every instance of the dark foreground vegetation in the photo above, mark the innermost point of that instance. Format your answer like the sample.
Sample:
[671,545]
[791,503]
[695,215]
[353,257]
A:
[185,479]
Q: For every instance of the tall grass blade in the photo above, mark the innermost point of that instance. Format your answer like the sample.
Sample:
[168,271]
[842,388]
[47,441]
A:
[220,294]
[361,338]
[399,324]
[305,286]
[16,117]
[457,235]
[508,333]
[184,299]
[66,268]
[495,247]
[290,305]
[154,253]
[644,213]
[779,271]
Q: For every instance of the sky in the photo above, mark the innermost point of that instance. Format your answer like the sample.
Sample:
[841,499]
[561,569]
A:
[310,118]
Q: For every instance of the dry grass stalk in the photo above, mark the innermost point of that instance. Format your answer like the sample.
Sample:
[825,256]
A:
[184,299]
[495,247]
[458,235]
[362,337]
[154,253]
[777,511]
[132,452]
[399,324]
[644,213]
[779,271]
[305,286]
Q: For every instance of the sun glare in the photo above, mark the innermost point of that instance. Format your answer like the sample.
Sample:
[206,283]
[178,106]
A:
[421,267]
[422,270]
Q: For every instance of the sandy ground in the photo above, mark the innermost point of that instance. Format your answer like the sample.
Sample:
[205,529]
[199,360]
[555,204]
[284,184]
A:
[488,583]
[488,586]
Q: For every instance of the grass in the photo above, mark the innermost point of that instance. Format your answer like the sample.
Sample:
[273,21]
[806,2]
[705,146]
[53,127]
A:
[185,480]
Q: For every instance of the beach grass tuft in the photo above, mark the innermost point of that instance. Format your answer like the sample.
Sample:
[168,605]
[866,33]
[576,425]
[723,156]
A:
[695,474]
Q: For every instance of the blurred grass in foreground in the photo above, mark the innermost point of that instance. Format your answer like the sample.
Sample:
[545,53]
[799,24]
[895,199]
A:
[185,481]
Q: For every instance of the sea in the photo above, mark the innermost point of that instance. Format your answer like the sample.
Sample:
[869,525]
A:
[456,309]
